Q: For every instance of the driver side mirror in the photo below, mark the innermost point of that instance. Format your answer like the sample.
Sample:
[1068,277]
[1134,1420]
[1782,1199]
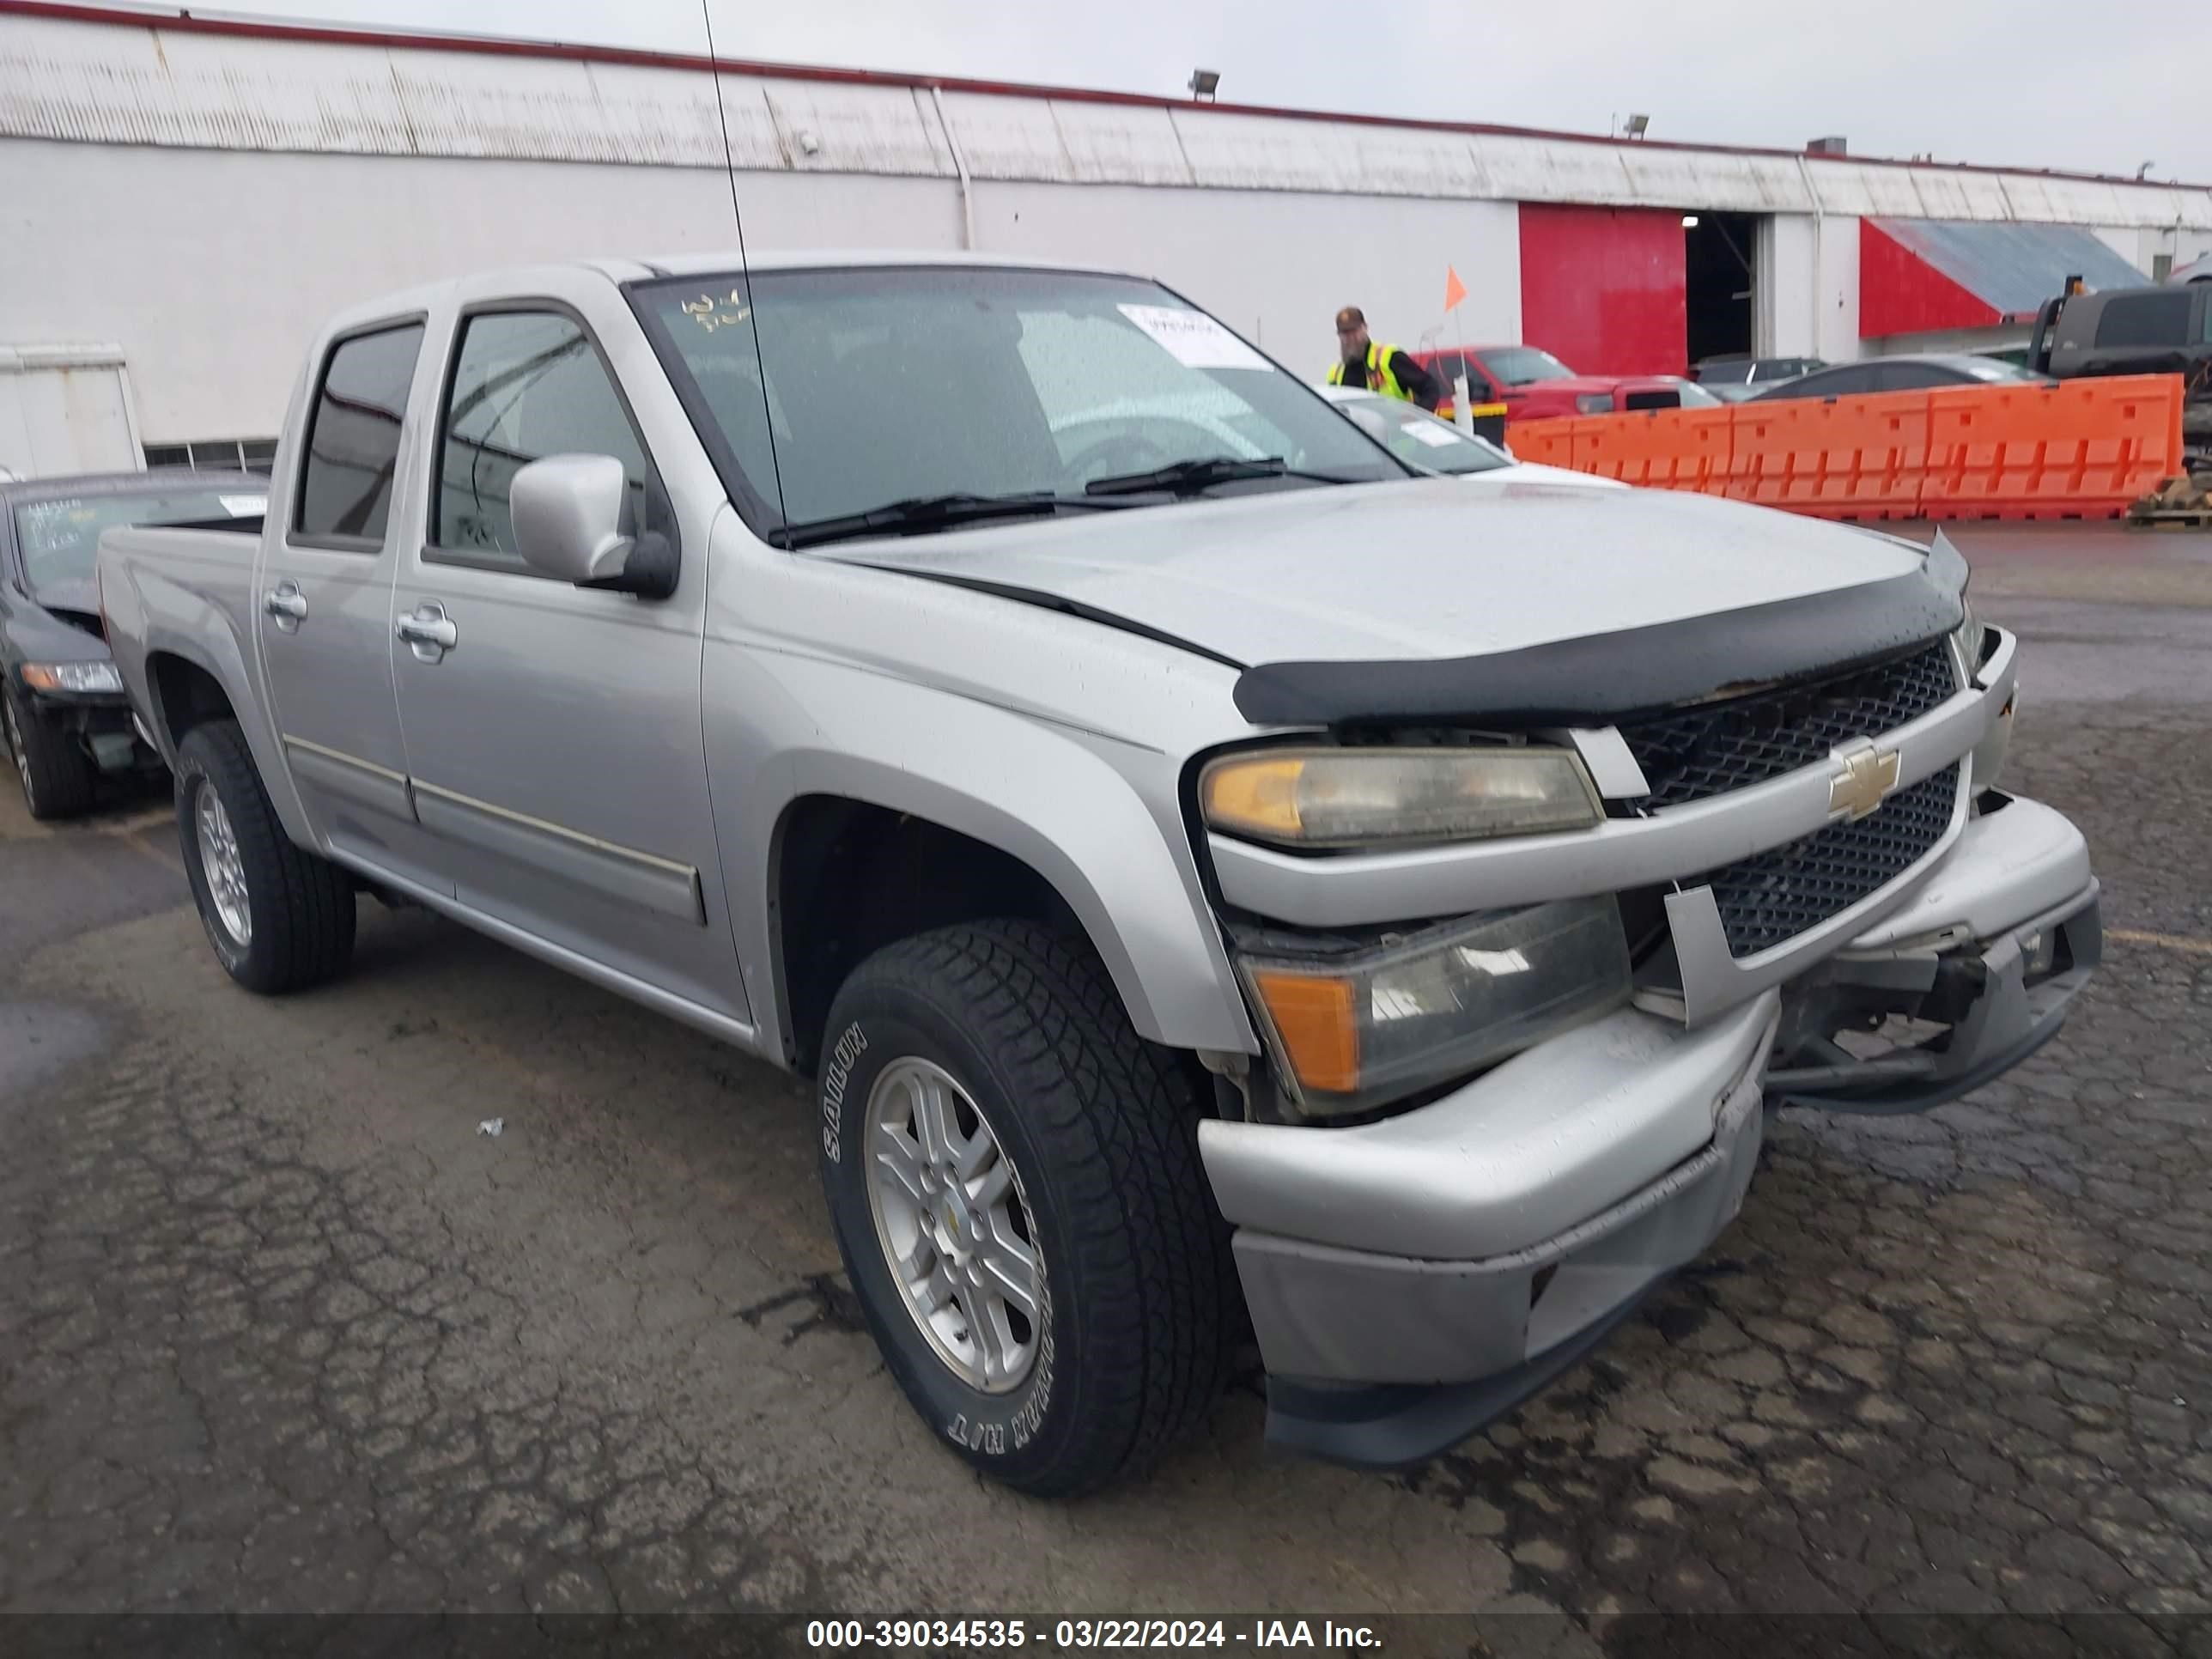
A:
[566,511]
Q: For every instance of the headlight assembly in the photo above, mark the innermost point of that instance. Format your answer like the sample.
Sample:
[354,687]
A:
[1354,1031]
[75,677]
[1359,797]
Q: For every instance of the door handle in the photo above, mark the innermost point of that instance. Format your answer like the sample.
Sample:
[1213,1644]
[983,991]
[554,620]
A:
[287,603]
[429,631]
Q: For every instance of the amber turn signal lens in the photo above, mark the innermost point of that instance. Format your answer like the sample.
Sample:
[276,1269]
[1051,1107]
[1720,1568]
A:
[1259,795]
[1314,1022]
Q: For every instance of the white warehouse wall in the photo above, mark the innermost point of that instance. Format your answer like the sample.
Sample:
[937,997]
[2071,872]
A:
[214,269]
[1276,266]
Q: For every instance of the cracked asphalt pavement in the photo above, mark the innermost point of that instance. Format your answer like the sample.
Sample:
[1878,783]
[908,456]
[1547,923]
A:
[280,1330]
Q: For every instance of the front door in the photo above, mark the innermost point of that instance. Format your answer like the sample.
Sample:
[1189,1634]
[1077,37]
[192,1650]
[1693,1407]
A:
[323,598]
[553,732]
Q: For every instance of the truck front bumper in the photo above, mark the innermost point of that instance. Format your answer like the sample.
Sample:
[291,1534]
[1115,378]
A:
[1413,1278]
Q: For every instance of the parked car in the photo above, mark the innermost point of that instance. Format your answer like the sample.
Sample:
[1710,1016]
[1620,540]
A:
[64,716]
[1735,377]
[1907,372]
[1211,894]
[1433,444]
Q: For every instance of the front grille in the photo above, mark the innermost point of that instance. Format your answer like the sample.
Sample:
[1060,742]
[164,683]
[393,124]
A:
[1778,894]
[1693,753]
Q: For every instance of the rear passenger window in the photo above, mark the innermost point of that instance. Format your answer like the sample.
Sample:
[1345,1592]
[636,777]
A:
[2145,319]
[1911,377]
[526,385]
[353,437]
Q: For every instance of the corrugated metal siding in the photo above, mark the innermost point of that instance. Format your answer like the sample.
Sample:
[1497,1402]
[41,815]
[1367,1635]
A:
[131,83]
[2011,269]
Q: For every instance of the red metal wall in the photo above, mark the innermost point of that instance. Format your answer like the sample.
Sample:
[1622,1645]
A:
[1601,289]
[1900,292]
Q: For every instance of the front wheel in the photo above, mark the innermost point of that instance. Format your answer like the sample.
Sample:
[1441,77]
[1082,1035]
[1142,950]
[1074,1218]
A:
[280,917]
[56,773]
[1014,1180]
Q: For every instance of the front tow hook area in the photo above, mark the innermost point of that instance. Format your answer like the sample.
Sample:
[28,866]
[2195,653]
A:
[1928,1028]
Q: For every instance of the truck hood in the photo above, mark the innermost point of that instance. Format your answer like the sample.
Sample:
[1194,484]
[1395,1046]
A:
[1427,569]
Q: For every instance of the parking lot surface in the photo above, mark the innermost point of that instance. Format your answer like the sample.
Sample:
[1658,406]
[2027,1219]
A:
[280,1329]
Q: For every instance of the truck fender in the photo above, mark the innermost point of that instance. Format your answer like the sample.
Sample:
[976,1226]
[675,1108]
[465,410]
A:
[1050,797]
[181,623]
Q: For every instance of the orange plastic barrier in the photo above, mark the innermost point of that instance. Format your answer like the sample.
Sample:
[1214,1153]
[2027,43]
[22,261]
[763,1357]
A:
[2080,449]
[1543,443]
[2083,449]
[1659,449]
[1843,458]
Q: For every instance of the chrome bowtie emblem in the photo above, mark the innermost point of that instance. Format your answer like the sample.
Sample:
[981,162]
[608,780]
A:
[1865,775]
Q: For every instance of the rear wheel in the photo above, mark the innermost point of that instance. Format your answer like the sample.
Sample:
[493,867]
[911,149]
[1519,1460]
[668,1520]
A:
[1014,1179]
[56,774]
[280,917]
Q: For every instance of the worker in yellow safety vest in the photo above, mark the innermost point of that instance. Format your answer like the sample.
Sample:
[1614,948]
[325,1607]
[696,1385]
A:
[1384,369]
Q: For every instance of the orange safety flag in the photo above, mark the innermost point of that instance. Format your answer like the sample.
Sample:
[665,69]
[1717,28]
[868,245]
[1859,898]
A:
[1454,290]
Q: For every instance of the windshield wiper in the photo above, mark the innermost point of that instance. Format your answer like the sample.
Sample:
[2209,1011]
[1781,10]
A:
[1188,478]
[919,514]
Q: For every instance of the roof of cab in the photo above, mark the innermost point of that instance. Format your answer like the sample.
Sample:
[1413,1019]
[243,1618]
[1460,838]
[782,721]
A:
[521,279]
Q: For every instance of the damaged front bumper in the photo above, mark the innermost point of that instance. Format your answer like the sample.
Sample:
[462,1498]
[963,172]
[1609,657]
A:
[1990,954]
[1411,1279]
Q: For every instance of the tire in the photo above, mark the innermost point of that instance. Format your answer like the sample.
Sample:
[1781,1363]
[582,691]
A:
[298,909]
[56,775]
[1138,1312]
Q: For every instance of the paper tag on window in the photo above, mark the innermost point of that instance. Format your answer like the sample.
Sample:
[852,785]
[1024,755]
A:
[244,506]
[1429,433]
[1194,339]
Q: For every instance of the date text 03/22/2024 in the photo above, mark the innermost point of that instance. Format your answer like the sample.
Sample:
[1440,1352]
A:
[1084,1634]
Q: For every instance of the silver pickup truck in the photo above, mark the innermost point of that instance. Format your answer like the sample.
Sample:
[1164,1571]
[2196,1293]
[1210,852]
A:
[1225,884]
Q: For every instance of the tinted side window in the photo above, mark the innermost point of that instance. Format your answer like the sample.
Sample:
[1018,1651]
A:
[526,385]
[2145,319]
[1912,377]
[1837,382]
[353,435]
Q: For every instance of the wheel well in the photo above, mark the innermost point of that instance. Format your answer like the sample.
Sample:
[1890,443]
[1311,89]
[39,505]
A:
[185,696]
[851,877]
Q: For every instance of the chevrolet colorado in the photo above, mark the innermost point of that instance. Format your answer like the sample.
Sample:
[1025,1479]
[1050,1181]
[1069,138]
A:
[1224,886]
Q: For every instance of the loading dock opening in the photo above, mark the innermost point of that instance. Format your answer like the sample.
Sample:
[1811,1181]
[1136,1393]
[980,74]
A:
[1718,253]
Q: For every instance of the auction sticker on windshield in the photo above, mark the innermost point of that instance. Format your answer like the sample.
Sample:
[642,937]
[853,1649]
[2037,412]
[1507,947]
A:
[1194,339]
[1429,433]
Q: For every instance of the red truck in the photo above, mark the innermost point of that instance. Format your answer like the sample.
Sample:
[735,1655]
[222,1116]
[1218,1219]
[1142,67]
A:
[1533,385]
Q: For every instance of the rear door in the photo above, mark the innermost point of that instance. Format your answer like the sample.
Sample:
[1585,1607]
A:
[323,598]
[554,737]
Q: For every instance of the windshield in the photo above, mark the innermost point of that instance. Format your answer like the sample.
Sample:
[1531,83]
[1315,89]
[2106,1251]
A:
[1693,395]
[898,385]
[1421,439]
[59,537]
[1524,366]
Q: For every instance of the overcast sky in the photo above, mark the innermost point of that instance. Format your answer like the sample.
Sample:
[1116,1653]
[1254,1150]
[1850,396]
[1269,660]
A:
[2058,83]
